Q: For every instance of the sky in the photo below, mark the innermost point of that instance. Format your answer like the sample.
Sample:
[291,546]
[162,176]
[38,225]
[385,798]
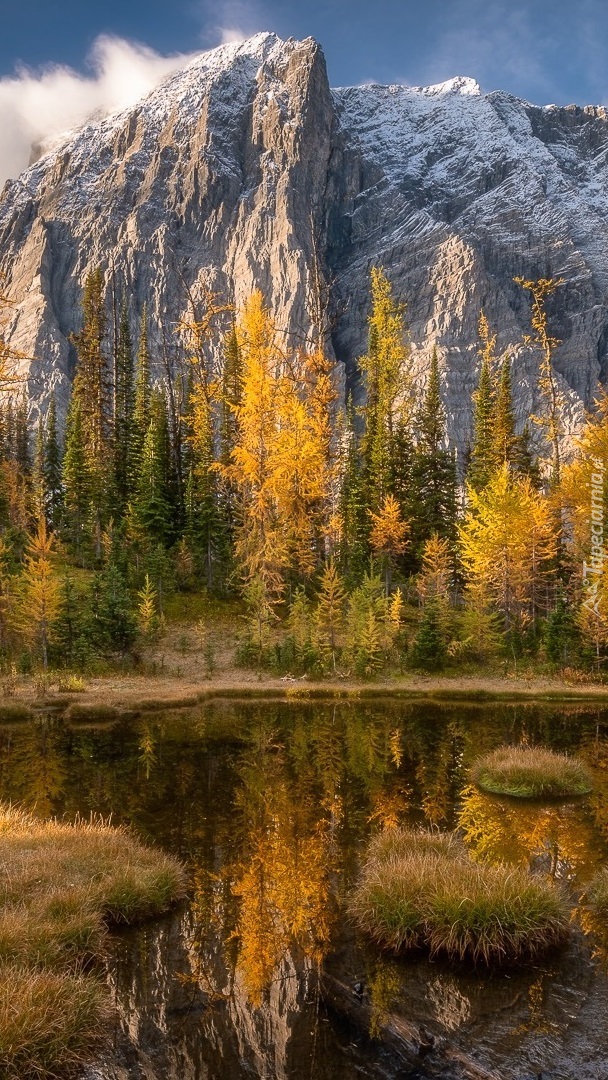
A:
[61,60]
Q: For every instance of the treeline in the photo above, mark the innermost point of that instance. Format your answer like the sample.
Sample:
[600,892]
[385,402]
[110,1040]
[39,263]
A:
[353,538]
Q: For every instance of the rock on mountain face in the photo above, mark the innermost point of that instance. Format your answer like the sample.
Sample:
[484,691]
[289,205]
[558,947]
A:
[245,169]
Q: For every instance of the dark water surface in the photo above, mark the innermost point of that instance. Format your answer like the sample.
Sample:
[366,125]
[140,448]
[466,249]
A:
[271,805]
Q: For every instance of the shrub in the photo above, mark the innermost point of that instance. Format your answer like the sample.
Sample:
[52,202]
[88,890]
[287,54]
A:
[530,772]
[421,889]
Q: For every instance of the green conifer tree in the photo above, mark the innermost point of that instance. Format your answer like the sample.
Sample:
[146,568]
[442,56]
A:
[483,452]
[428,651]
[142,403]
[77,484]
[124,404]
[152,509]
[433,506]
[52,468]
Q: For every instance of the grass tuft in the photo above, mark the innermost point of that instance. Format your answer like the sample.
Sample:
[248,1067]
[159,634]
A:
[60,885]
[529,772]
[421,890]
[50,1022]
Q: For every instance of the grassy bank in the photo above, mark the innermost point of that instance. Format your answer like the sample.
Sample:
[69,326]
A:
[61,886]
[530,772]
[421,890]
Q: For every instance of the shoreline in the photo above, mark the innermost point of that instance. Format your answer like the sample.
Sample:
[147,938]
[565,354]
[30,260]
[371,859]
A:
[114,695]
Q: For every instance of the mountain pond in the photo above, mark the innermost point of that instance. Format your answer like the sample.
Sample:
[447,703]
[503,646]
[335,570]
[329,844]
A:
[270,804]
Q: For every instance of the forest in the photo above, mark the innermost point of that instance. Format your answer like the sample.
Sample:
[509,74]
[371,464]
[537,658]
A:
[348,539]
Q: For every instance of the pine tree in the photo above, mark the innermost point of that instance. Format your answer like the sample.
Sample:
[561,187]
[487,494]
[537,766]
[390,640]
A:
[483,452]
[433,498]
[37,485]
[77,483]
[116,625]
[561,633]
[152,509]
[203,525]
[429,648]
[141,404]
[52,468]
[353,509]
[75,636]
[22,452]
[124,404]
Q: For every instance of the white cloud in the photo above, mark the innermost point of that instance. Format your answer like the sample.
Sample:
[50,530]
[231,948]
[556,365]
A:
[37,106]
[229,21]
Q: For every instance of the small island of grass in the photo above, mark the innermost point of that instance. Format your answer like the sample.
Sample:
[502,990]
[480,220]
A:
[530,772]
[421,890]
[60,886]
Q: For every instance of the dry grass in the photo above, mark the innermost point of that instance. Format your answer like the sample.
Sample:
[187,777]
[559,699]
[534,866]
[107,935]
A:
[60,885]
[50,1022]
[420,889]
[530,772]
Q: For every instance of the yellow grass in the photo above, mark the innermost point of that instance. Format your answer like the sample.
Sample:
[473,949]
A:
[60,885]
[421,890]
[530,772]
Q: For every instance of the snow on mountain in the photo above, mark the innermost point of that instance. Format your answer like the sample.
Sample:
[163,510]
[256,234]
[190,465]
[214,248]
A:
[233,171]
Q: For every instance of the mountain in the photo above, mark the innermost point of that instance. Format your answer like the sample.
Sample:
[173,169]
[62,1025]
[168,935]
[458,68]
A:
[246,170]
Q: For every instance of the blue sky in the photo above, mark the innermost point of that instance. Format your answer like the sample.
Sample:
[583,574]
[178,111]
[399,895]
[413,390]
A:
[546,52]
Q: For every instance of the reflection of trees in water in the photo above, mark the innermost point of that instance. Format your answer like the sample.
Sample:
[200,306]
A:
[556,838]
[34,767]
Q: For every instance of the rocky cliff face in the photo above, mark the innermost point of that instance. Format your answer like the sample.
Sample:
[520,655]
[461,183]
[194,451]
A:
[244,170]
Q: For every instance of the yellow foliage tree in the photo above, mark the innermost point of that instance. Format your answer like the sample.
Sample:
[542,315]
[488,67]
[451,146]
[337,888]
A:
[281,462]
[507,542]
[388,536]
[38,593]
[551,418]
[329,615]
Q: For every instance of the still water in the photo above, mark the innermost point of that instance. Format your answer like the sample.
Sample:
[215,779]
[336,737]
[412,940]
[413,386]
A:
[261,974]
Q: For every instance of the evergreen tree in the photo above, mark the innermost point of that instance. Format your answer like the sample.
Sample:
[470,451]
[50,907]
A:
[52,468]
[141,405]
[124,405]
[353,509]
[428,651]
[510,448]
[483,452]
[77,483]
[115,622]
[22,452]
[562,636]
[76,635]
[92,387]
[433,505]
[152,509]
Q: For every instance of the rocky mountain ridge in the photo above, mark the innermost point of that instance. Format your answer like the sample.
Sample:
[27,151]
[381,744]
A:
[246,170]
